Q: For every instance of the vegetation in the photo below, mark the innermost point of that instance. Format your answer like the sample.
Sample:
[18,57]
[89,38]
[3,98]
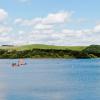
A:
[42,46]
[93,50]
[49,51]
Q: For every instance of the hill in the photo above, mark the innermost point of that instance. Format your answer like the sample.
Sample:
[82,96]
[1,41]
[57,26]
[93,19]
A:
[92,49]
[49,51]
[42,46]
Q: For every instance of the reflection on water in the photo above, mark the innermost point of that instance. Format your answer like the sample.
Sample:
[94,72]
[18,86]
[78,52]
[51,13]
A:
[50,79]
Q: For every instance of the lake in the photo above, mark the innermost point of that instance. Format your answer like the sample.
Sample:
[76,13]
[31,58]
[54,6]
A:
[50,79]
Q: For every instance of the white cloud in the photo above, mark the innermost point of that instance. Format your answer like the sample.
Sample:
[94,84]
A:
[43,26]
[78,33]
[26,22]
[18,20]
[5,29]
[51,19]
[52,37]
[3,15]
[47,30]
[97,28]
[57,18]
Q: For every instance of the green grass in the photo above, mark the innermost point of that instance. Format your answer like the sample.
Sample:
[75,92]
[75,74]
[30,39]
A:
[77,48]
[42,46]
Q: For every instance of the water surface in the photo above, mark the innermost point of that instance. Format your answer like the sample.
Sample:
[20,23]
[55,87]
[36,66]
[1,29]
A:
[50,79]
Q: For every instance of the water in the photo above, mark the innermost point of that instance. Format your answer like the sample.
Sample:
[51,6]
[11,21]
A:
[50,79]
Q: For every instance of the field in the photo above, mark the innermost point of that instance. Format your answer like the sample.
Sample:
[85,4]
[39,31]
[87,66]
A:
[42,46]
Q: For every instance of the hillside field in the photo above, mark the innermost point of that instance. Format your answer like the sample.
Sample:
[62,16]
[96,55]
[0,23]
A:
[42,46]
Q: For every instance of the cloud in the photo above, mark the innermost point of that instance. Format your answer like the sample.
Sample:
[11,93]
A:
[57,28]
[3,15]
[57,18]
[97,28]
[43,26]
[63,36]
[50,29]
[45,22]
[5,29]
[78,33]
[26,22]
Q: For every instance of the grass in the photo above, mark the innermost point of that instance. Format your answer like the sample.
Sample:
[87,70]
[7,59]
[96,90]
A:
[42,46]
[77,48]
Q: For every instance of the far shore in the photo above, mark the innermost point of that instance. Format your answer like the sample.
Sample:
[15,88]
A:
[38,51]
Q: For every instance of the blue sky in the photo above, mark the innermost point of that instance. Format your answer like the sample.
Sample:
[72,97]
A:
[54,22]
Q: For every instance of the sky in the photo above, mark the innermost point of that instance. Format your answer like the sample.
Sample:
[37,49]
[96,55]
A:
[52,22]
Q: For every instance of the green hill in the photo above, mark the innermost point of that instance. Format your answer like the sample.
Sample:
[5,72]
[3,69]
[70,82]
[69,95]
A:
[92,49]
[42,51]
[49,51]
[42,46]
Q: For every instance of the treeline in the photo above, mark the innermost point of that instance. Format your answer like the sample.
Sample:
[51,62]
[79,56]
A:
[44,53]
